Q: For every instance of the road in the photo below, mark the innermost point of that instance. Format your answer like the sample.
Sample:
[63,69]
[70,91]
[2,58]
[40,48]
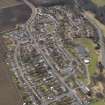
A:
[47,58]
[28,27]
[101,36]
[16,54]
[21,73]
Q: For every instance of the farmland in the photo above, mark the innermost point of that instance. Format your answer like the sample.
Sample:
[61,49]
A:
[9,94]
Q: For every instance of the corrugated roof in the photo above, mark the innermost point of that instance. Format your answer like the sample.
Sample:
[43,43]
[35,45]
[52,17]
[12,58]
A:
[8,3]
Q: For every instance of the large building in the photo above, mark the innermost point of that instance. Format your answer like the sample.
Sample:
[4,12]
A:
[12,12]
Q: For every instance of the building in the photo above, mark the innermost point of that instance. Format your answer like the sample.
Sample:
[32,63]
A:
[83,53]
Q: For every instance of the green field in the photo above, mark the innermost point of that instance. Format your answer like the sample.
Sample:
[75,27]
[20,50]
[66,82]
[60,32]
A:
[87,43]
[94,59]
[99,2]
[101,102]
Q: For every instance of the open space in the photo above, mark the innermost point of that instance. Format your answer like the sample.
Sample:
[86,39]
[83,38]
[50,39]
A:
[99,2]
[98,103]
[87,43]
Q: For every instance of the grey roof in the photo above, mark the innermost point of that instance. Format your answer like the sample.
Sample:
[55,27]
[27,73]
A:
[82,51]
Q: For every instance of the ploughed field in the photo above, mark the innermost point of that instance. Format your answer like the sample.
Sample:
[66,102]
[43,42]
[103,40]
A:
[9,95]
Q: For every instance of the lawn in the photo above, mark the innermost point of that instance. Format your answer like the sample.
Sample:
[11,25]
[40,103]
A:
[99,2]
[101,102]
[87,43]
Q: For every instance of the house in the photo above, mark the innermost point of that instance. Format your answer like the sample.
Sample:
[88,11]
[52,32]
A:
[83,53]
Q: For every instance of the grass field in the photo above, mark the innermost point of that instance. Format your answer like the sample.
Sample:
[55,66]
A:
[87,43]
[101,102]
[99,2]
[102,27]
[94,59]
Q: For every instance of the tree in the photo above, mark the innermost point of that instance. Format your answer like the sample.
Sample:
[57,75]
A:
[100,66]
